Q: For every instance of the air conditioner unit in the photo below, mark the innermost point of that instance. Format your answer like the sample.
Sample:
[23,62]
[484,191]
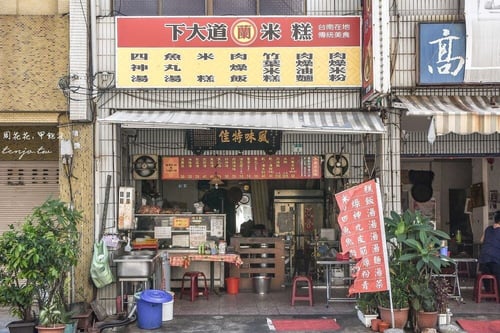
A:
[145,167]
[336,166]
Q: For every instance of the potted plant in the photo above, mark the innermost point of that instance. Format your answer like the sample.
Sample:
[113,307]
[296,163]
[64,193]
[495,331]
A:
[416,245]
[401,275]
[51,319]
[37,257]
[442,289]
[423,303]
[366,306]
[17,290]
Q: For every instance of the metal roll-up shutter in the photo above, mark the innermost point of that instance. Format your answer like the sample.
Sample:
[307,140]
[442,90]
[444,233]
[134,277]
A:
[23,186]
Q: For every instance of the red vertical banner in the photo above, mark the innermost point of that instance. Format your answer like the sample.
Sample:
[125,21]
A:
[363,235]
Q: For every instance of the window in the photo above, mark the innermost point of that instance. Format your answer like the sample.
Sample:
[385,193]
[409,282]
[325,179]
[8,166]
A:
[201,7]
[136,8]
[184,8]
[160,7]
[282,7]
[232,7]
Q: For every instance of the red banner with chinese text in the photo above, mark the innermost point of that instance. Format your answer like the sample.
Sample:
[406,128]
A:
[363,235]
[241,167]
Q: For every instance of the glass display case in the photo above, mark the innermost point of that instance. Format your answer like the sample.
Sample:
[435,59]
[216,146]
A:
[179,231]
[182,233]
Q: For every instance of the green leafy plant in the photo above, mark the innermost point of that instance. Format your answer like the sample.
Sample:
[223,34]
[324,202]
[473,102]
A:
[367,303]
[37,257]
[17,290]
[401,275]
[414,246]
[442,289]
[51,315]
[423,298]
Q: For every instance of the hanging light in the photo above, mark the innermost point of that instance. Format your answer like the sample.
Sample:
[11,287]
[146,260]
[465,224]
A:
[216,181]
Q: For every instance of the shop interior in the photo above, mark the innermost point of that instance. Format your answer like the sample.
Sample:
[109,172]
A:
[301,212]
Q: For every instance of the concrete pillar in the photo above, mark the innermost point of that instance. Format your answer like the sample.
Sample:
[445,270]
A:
[388,158]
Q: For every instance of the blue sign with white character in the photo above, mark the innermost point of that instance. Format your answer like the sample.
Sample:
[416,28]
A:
[442,53]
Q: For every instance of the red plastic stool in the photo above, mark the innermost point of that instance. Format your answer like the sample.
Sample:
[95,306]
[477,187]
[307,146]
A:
[193,291]
[491,292]
[302,297]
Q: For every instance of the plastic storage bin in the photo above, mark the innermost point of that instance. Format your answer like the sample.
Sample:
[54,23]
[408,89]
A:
[149,308]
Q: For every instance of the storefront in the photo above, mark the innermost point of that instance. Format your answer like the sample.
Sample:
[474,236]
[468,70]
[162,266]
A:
[208,95]
[29,170]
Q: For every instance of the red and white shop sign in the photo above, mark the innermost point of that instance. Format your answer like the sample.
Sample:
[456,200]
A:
[363,235]
[226,51]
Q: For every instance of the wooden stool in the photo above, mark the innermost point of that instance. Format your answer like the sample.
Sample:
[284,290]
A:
[490,292]
[305,297]
[193,290]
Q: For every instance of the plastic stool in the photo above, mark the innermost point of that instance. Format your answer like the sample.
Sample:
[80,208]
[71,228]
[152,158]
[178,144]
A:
[305,297]
[193,290]
[491,292]
[463,269]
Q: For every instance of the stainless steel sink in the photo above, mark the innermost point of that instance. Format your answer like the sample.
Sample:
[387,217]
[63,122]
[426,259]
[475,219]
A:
[142,253]
[135,264]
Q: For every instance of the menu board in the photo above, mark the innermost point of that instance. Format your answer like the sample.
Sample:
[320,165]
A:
[241,167]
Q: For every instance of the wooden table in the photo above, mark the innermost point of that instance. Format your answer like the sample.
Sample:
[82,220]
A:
[184,259]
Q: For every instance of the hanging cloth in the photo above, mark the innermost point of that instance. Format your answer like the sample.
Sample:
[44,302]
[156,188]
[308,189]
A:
[99,270]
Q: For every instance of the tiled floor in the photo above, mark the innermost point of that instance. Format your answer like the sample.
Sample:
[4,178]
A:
[279,303]
[246,312]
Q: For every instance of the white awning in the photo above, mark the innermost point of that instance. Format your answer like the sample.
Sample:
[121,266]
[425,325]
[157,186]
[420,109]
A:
[456,114]
[293,121]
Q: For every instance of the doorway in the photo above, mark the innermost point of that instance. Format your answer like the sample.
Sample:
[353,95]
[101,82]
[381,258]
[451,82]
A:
[459,219]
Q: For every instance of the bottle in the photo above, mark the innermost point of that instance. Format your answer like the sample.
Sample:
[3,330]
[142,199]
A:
[444,248]
[222,247]
[459,236]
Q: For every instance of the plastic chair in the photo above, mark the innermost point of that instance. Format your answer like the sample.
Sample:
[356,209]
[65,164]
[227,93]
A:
[490,290]
[193,291]
[297,280]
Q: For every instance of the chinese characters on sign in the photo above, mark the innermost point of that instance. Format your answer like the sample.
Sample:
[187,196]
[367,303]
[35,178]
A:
[363,235]
[442,53]
[261,51]
[29,143]
[241,167]
[199,140]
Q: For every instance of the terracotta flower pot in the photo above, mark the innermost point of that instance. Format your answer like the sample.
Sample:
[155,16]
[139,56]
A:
[427,319]
[375,324]
[51,329]
[382,326]
[400,316]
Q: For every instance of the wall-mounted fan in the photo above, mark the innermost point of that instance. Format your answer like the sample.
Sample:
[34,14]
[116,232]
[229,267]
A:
[145,167]
[336,165]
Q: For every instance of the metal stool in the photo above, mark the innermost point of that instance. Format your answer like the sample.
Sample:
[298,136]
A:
[193,291]
[490,291]
[305,297]
[138,284]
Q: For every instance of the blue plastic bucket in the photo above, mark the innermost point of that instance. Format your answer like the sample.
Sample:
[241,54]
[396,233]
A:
[149,308]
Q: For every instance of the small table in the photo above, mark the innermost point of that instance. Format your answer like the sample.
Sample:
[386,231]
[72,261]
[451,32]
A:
[456,292]
[183,260]
[328,265]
